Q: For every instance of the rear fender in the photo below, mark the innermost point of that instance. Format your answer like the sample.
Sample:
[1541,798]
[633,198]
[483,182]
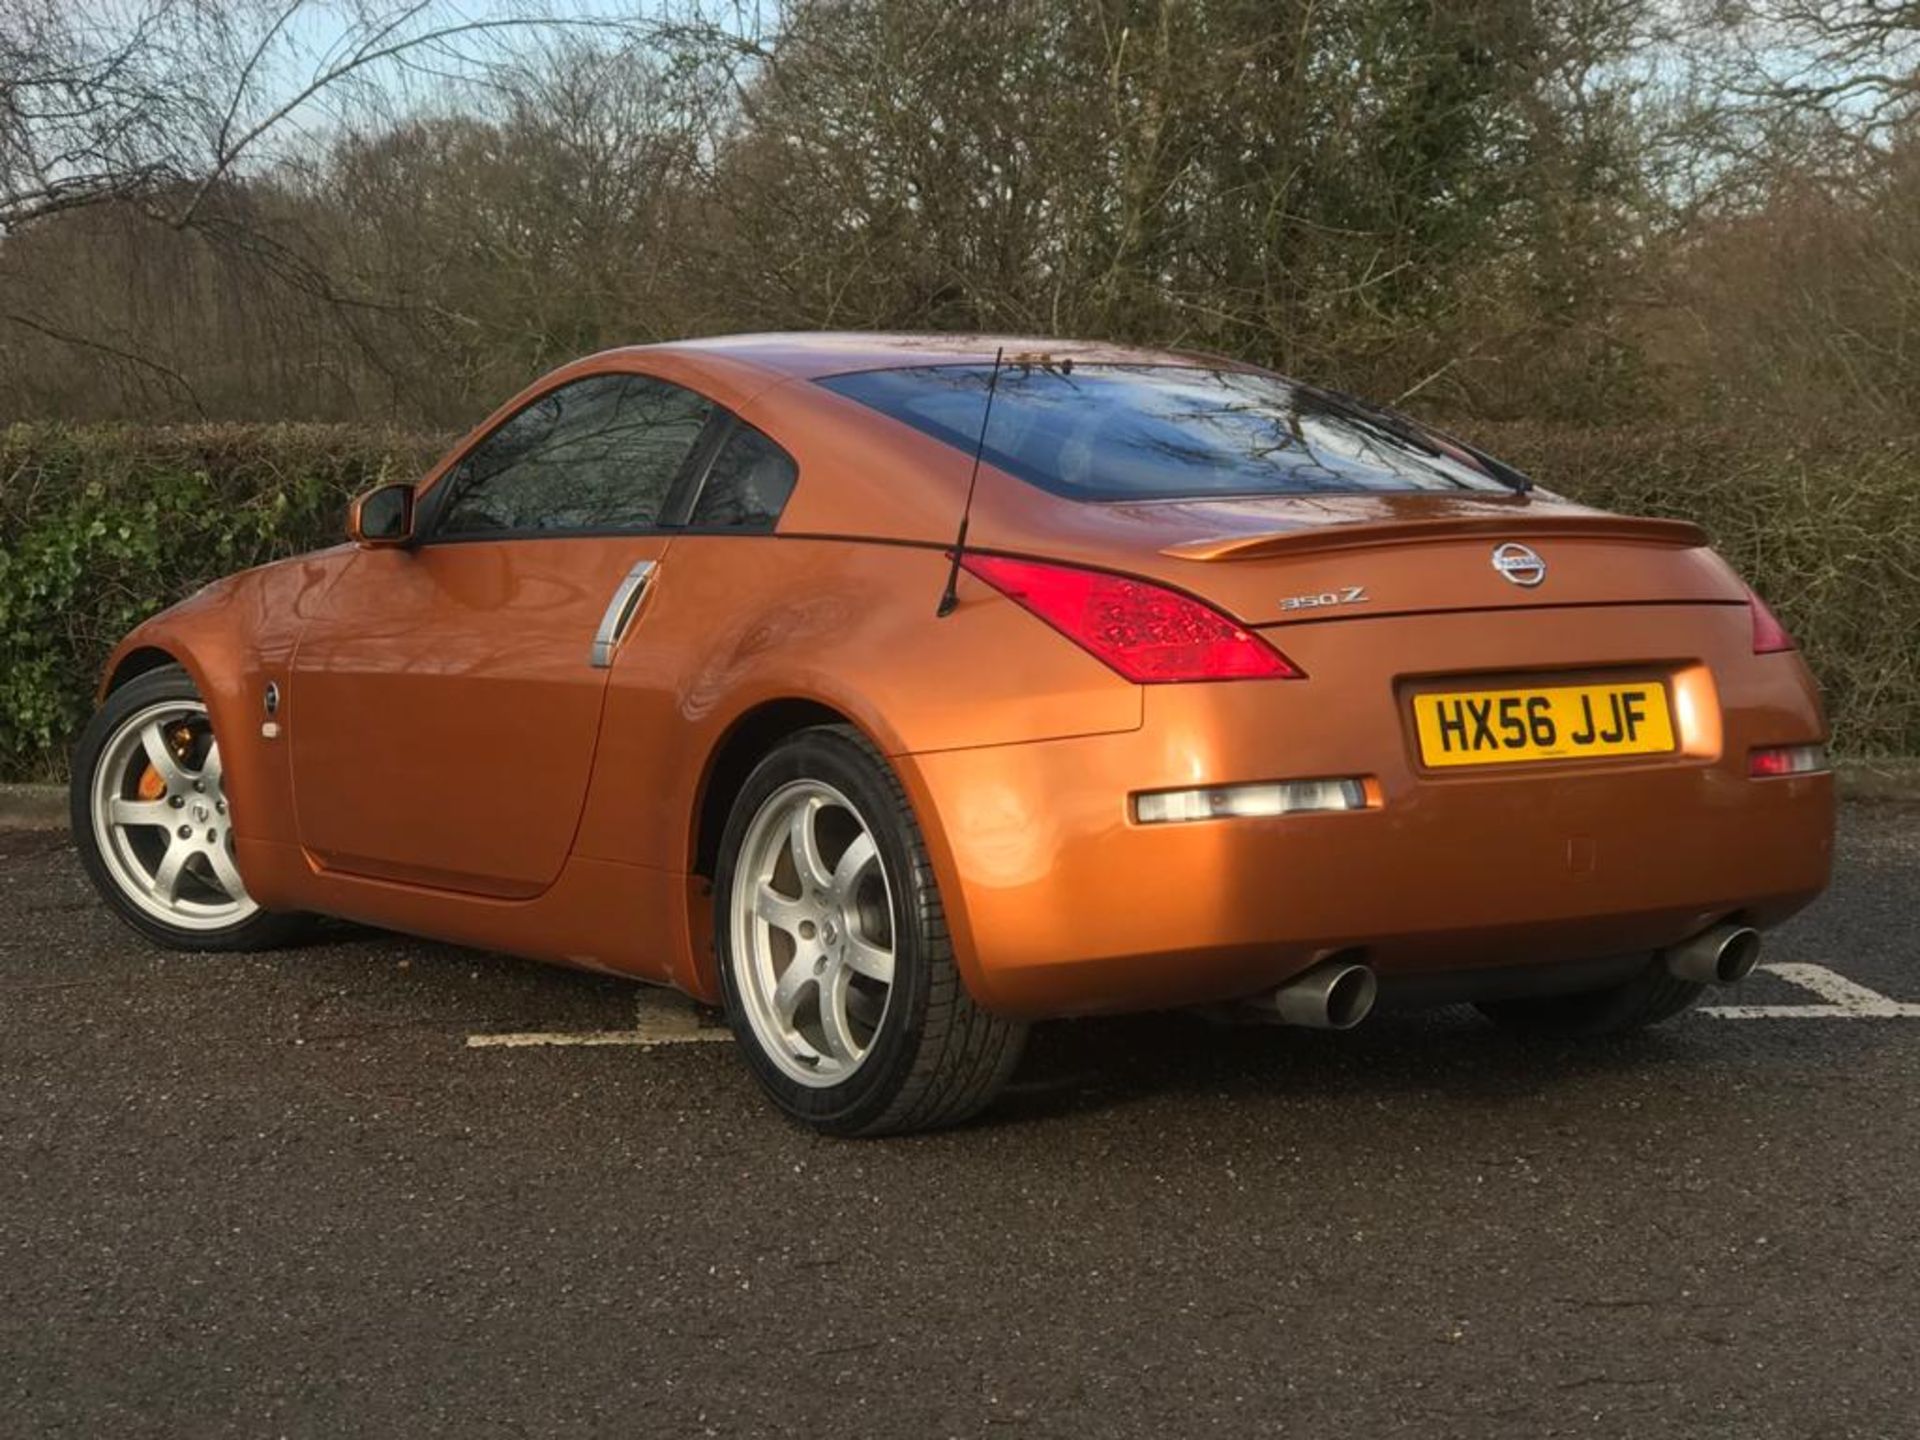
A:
[737,623]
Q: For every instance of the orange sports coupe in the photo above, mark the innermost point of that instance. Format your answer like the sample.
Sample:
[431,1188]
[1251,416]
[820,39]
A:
[896,691]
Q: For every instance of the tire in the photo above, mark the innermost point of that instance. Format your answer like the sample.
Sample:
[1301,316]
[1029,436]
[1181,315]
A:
[149,818]
[803,942]
[1649,998]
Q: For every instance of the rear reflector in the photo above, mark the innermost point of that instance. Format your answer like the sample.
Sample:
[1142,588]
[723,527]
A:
[1769,635]
[1787,760]
[1239,802]
[1151,635]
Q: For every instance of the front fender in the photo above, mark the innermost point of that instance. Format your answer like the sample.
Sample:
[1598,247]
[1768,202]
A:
[232,638]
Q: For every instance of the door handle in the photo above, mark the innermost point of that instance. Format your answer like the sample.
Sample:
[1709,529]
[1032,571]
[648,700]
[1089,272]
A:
[620,612]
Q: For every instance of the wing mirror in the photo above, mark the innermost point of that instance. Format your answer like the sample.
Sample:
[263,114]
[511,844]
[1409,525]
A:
[382,517]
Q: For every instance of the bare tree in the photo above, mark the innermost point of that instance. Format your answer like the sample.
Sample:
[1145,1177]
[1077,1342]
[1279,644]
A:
[259,208]
[160,101]
[1852,63]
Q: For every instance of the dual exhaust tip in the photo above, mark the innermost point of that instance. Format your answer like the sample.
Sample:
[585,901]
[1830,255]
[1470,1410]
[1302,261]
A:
[1338,994]
[1724,955]
[1334,995]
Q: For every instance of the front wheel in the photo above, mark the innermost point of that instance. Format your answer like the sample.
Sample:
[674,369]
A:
[150,820]
[834,955]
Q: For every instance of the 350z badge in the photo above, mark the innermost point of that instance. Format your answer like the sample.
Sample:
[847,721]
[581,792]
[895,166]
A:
[1347,595]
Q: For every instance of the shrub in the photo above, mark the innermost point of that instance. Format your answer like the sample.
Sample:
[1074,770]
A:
[1825,526]
[102,526]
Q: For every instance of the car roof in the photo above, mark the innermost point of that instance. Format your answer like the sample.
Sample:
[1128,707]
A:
[811,354]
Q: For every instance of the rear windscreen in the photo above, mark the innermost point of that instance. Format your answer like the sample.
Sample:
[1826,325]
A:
[1158,432]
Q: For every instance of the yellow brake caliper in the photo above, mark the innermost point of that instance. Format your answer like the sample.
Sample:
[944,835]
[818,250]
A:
[151,785]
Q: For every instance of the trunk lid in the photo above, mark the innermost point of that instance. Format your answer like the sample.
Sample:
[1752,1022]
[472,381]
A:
[1290,560]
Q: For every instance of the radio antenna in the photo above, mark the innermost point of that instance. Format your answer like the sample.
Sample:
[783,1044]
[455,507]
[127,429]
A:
[950,597]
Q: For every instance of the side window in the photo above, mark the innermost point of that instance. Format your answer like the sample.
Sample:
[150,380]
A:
[747,485]
[598,454]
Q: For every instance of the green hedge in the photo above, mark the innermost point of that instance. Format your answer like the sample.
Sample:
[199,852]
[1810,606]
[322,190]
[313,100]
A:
[102,526]
[1826,527]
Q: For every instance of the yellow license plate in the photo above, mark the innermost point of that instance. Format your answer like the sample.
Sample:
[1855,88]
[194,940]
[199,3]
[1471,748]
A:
[1559,722]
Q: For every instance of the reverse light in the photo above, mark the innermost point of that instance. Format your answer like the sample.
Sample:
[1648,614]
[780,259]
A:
[1769,635]
[1781,760]
[1241,802]
[1149,634]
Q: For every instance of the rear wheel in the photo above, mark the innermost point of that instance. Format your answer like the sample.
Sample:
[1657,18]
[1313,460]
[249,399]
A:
[150,820]
[834,955]
[1647,999]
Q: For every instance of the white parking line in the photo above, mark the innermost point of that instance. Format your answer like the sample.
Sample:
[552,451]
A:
[662,1017]
[1845,999]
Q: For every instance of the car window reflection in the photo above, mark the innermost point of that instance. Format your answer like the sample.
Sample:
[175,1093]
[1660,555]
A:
[599,454]
[1110,432]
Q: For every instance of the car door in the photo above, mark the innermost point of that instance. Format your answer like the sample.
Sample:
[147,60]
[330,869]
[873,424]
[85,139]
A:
[445,700]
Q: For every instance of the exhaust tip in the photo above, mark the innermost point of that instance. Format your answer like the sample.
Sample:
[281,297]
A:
[1334,995]
[1739,953]
[1724,955]
[1350,997]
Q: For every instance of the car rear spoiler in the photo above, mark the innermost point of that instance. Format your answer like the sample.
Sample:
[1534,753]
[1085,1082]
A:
[1365,534]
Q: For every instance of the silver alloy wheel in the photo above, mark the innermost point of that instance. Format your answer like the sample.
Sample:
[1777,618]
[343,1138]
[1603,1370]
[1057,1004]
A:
[812,932]
[169,847]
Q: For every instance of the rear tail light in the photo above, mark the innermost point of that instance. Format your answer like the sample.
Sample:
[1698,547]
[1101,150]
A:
[1769,635]
[1149,634]
[1787,760]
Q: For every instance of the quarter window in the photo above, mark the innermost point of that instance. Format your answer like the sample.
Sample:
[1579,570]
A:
[599,454]
[747,485]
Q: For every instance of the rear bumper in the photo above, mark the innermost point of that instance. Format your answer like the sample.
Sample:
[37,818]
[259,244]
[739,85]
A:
[1061,904]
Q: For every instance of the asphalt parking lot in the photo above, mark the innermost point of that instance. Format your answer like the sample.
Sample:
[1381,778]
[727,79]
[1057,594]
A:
[286,1195]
